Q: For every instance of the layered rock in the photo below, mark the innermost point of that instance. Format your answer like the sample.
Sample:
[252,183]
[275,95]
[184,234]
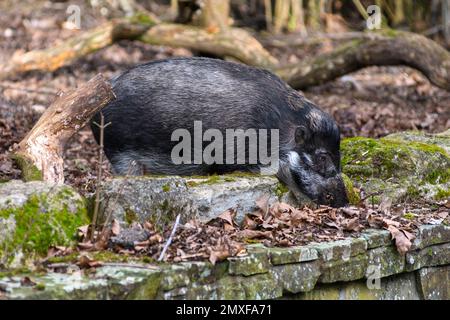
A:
[402,166]
[344,269]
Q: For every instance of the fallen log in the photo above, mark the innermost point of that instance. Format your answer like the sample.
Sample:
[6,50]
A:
[232,42]
[387,47]
[60,55]
[376,49]
[39,154]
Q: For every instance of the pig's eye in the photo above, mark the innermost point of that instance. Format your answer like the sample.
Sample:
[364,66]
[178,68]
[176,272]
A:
[322,158]
[301,134]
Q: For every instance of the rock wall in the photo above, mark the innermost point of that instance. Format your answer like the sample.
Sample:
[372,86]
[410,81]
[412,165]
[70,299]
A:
[404,167]
[368,267]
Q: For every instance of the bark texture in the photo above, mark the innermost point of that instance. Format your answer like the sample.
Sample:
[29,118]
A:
[39,154]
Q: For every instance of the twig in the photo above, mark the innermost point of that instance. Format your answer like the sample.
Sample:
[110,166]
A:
[116,198]
[376,193]
[102,127]
[169,241]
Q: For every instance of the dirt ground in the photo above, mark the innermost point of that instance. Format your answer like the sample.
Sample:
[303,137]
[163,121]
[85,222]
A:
[373,102]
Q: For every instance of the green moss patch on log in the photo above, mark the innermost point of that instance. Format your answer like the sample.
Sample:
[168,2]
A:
[29,171]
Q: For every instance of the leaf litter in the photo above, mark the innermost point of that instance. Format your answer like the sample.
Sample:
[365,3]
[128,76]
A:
[273,225]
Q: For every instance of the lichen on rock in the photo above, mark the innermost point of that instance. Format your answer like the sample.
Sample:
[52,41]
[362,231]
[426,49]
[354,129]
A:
[403,166]
[36,215]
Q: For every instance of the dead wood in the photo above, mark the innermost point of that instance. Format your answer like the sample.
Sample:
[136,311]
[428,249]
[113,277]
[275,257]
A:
[39,154]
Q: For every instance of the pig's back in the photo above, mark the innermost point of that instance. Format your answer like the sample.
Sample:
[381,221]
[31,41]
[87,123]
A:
[156,98]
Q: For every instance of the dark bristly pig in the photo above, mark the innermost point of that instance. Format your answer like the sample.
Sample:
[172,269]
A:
[158,99]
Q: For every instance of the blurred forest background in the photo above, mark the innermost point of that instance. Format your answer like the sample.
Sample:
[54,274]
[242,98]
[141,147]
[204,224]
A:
[372,101]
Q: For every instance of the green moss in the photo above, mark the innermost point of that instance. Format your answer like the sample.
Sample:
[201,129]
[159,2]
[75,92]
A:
[70,258]
[442,194]
[130,216]
[15,272]
[281,189]
[213,179]
[412,192]
[438,176]
[102,256]
[109,256]
[36,228]
[142,18]
[166,188]
[352,195]
[148,260]
[386,158]
[388,32]
[165,205]
[409,215]
[149,289]
[29,171]
[374,200]
[40,286]
[242,174]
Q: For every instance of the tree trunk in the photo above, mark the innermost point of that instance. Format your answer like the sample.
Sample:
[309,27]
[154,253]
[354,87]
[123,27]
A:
[39,154]
[399,15]
[446,20]
[215,15]
[314,14]
[297,18]
[281,15]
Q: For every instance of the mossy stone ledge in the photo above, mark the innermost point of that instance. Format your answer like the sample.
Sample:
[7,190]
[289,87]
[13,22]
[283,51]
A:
[34,216]
[401,166]
[345,269]
[160,199]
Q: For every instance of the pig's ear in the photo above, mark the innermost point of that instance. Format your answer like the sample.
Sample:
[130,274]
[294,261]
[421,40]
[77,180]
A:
[302,135]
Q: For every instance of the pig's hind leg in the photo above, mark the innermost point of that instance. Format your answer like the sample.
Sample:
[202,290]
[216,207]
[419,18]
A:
[126,164]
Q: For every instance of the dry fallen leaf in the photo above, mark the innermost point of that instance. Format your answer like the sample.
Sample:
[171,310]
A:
[148,226]
[352,225]
[225,219]
[216,256]
[83,231]
[389,222]
[85,245]
[27,282]
[402,242]
[84,261]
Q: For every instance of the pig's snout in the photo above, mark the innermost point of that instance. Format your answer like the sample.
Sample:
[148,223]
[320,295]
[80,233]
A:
[334,193]
[303,177]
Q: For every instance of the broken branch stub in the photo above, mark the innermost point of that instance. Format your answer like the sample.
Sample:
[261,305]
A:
[39,154]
